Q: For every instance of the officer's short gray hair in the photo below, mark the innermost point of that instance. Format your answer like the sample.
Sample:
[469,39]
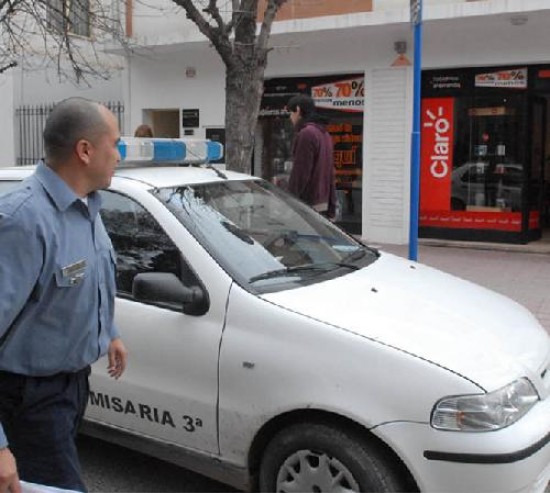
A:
[71,120]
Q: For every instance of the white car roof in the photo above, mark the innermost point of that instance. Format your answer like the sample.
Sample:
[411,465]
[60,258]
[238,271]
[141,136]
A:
[16,172]
[154,176]
[165,176]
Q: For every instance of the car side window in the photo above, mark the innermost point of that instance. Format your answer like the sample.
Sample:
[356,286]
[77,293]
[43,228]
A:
[140,242]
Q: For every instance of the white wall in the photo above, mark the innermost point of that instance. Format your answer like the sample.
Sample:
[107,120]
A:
[160,82]
[7,114]
[386,159]
[162,22]
[45,86]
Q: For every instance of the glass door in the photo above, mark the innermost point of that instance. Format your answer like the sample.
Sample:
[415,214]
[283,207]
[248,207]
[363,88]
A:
[538,189]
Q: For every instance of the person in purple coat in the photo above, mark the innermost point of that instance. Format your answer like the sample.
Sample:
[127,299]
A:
[312,176]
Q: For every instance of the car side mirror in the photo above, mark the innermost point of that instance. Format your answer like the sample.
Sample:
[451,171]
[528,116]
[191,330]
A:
[166,288]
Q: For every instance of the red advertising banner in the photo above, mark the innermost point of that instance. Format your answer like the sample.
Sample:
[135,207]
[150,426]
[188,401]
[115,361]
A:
[436,154]
[501,221]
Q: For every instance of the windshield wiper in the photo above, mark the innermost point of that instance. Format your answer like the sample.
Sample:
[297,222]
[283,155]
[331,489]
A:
[360,253]
[323,267]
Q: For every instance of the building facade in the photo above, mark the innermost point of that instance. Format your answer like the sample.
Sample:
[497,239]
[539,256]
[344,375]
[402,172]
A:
[485,132]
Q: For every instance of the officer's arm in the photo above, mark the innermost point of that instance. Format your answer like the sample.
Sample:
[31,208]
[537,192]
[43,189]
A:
[9,480]
[20,263]
[21,258]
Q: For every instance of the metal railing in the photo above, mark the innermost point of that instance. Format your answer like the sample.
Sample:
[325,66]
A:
[29,125]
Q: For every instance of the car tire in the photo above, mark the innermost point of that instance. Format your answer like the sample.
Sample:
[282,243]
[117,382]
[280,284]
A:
[317,457]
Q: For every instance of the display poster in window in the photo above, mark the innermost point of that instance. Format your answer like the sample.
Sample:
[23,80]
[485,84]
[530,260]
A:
[343,95]
[504,79]
[436,154]
[348,150]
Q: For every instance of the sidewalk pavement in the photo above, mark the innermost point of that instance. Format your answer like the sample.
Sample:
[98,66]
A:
[522,275]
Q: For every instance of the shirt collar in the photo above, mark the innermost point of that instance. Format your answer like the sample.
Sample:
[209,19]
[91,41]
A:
[61,194]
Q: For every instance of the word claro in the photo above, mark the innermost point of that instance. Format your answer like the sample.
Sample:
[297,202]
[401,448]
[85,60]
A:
[270,350]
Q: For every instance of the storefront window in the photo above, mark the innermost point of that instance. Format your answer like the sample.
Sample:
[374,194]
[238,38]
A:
[339,99]
[488,166]
[481,156]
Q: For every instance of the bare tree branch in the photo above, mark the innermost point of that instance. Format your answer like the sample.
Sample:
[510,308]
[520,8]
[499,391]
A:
[269,16]
[7,67]
[244,54]
[68,36]
[213,10]
[217,36]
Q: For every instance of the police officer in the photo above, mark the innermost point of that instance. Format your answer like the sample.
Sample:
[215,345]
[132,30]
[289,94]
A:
[57,289]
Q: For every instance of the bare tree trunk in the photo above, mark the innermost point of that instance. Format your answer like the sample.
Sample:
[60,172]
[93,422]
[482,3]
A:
[244,87]
[245,59]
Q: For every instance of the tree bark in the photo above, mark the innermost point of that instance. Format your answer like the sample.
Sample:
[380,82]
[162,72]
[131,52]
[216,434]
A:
[244,88]
[245,59]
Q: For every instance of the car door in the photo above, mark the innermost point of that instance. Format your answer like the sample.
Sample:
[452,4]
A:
[170,388]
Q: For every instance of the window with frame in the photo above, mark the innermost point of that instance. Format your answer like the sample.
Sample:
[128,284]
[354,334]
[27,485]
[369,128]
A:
[140,243]
[70,16]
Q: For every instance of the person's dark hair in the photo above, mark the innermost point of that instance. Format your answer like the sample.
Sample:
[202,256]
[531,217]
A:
[307,108]
[71,120]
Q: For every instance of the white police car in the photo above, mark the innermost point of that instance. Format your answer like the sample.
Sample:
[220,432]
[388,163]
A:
[270,350]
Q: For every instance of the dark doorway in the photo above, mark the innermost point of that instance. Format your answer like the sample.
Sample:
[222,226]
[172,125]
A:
[538,196]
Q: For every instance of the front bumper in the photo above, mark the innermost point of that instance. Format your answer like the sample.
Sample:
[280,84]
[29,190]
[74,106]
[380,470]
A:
[515,459]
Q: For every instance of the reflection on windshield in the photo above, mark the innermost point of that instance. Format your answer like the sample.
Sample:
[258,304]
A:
[252,229]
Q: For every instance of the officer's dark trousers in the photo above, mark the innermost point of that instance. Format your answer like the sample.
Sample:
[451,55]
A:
[40,416]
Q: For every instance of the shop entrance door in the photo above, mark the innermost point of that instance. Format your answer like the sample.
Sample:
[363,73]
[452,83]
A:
[538,190]
[164,122]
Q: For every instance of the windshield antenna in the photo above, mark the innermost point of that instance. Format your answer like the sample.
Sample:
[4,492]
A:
[217,171]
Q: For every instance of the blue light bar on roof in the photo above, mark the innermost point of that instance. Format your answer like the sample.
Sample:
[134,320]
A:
[214,150]
[158,150]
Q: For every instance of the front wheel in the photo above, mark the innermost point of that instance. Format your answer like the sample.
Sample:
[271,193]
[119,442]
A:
[321,458]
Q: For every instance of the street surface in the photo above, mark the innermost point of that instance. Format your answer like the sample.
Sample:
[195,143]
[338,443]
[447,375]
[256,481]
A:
[109,468]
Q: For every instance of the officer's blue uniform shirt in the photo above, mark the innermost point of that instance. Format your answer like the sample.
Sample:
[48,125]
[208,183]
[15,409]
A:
[57,279]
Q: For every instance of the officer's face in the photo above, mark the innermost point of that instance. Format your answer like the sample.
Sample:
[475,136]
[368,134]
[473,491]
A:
[105,155]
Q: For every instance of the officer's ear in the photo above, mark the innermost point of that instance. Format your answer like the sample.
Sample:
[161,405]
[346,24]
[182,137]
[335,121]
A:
[83,149]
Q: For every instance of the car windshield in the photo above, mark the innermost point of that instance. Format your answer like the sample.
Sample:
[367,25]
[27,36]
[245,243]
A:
[264,238]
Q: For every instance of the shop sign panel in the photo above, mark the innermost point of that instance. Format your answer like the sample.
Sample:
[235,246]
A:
[437,153]
[343,95]
[508,79]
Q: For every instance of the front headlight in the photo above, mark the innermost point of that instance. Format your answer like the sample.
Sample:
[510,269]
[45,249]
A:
[485,412]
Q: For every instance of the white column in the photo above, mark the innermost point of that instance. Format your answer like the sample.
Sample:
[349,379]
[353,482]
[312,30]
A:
[7,115]
[386,155]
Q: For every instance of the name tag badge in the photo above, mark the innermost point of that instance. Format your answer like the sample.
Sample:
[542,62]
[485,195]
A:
[75,272]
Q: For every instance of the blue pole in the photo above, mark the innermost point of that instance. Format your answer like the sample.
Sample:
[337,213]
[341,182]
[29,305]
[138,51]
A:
[415,141]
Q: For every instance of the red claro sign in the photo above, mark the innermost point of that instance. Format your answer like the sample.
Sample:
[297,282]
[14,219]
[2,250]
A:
[436,154]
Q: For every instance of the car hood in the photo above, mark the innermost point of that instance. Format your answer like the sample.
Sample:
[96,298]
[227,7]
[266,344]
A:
[450,322]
